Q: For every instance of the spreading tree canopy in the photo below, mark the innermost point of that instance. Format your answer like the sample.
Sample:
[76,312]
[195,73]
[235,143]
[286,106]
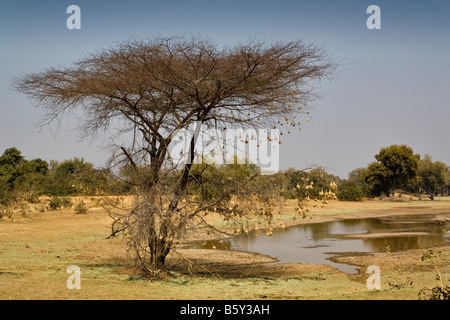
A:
[146,90]
[395,167]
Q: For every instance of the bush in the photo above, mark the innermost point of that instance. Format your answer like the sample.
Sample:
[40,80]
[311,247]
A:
[436,293]
[81,208]
[30,197]
[6,211]
[440,292]
[23,206]
[56,203]
[352,193]
[40,209]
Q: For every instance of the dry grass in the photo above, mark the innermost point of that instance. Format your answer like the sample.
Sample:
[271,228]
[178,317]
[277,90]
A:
[37,249]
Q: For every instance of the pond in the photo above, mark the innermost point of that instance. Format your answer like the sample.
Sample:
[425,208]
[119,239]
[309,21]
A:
[318,243]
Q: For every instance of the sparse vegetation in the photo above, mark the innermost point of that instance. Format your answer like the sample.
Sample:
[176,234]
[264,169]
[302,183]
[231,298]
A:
[6,211]
[153,89]
[440,292]
[33,264]
[56,203]
[81,207]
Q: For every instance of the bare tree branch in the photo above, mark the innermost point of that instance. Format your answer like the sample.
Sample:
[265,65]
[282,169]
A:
[149,89]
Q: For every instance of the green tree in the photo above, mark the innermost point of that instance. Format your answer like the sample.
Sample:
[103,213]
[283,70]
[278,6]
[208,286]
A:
[9,164]
[350,192]
[19,177]
[8,174]
[358,178]
[32,178]
[395,167]
[35,166]
[77,177]
[317,177]
[208,180]
[447,184]
[432,175]
[11,156]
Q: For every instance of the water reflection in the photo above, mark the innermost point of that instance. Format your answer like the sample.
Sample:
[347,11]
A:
[318,242]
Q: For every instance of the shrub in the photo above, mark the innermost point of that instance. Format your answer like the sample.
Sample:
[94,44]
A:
[66,202]
[23,206]
[6,211]
[81,208]
[440,292]
[40,208]
[351,193]
[436,293]
[56,203]
[7,197]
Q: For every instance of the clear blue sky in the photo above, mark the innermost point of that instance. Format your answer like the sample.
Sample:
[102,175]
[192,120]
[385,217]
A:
[393,89]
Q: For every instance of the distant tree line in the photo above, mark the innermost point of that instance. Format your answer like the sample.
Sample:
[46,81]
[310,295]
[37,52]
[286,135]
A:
[29,179]
[397,168]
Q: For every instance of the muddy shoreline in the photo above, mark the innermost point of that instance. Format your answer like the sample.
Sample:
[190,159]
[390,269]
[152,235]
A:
[240,259]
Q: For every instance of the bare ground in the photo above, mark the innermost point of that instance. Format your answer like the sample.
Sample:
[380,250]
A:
[36,250]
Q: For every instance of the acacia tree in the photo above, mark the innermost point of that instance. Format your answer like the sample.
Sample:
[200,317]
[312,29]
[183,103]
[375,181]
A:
[146,90]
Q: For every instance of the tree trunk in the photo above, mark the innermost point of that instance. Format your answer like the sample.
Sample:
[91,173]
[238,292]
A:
[159,247]
[160,261]
[159,250]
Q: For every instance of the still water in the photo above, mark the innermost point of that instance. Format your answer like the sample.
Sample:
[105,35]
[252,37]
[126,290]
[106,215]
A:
[318,242]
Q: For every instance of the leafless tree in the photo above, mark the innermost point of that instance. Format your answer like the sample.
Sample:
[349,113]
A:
[146,90]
